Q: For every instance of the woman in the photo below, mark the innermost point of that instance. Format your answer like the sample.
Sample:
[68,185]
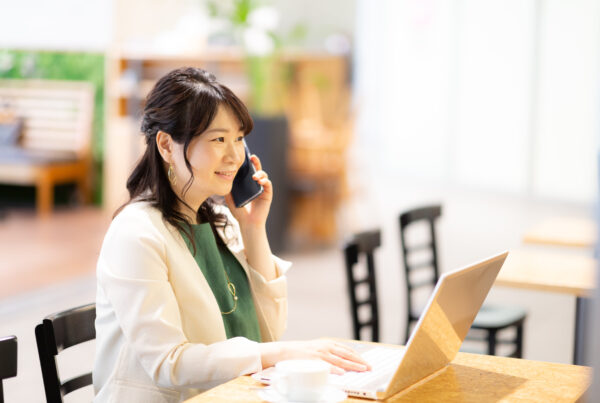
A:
[189,294]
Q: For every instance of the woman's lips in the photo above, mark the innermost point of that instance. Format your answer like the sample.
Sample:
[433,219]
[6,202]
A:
[227,175]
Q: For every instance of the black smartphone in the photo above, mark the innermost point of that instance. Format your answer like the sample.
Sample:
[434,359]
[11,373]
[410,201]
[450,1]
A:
[245,189]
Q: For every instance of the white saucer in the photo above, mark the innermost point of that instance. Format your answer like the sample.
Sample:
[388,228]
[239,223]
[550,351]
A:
[330,395]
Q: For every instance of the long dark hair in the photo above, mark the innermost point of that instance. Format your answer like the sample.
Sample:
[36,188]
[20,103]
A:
[183,104]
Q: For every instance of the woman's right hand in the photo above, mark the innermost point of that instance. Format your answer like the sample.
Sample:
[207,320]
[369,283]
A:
[341,357]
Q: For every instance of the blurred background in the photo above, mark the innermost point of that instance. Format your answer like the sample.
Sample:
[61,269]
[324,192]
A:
[363,109]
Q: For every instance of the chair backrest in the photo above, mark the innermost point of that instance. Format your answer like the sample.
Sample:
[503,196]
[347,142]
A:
[8,360]
[363,243]
[56,333]
[57,114]
[427,215]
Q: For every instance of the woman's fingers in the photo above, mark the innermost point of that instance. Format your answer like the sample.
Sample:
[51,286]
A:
[336,370]
[343,358]
[260,176]
[346,364]
[256,162]
[350,355]
[329,358]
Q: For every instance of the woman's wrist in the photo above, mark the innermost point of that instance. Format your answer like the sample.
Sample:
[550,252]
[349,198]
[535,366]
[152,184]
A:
[254,236]
[258,251]
[253,228]
[270,353]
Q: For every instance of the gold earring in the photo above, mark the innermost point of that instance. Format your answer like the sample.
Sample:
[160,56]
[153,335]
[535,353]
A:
[171,175]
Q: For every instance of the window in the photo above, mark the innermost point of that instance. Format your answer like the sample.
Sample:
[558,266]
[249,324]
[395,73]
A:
[495,94]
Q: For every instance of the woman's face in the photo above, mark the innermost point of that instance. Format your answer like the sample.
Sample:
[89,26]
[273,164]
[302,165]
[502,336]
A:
[215,157]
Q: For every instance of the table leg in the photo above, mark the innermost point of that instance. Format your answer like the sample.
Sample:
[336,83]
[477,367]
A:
[581,307]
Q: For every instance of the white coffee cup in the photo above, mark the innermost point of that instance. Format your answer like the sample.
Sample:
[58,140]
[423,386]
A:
[301,380]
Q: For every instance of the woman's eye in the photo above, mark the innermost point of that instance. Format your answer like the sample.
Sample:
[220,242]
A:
[219,139]
[241,138]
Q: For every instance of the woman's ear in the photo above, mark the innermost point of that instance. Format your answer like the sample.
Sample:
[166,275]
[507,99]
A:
[164,142]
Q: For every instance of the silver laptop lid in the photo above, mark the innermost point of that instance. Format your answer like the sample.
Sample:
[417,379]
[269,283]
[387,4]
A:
[444,323]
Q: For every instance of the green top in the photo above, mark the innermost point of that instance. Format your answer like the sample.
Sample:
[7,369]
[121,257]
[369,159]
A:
[217,264]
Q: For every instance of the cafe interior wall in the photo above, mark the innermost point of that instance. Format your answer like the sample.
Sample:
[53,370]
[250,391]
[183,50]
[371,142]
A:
[95,25]
[499,96]
[140,22]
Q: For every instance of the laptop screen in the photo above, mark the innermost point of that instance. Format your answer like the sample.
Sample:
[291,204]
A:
[445,322]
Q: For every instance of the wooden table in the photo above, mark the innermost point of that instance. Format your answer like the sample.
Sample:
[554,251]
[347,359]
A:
[555,272]
[562,231]
[468,378]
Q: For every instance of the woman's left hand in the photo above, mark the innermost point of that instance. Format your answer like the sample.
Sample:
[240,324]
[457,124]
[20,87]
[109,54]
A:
[254,213]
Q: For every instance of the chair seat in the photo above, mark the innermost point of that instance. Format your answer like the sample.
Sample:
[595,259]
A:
[498,316]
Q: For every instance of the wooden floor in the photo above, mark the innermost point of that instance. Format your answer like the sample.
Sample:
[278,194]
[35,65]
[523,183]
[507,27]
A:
[39,252]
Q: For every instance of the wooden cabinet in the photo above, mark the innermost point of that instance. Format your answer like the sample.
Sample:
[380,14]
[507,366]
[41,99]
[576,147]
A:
[317,105]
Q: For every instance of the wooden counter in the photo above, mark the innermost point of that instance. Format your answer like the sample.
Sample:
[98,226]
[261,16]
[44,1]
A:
[549,271]
[469,378]
[562,231]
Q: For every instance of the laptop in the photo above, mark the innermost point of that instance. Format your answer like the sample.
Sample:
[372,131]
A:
[437,337]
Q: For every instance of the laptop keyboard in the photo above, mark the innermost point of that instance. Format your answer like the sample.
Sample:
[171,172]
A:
[383,361]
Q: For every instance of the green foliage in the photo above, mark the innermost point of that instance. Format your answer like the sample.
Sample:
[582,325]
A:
[297,34]
[261,72]
[241,11]
[236,11]
[269,75]
[65,66]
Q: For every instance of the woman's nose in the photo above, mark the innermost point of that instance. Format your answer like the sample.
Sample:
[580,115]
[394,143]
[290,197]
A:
[235,152]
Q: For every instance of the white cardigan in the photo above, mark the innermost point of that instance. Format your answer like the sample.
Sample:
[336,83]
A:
[159,331]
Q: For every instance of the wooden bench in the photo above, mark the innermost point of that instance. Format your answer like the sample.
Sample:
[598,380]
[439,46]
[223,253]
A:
[55,143]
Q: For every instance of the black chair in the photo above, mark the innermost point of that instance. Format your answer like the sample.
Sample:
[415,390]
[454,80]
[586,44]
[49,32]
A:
[56,333]
[8,361]
[490,319]
[363,243]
